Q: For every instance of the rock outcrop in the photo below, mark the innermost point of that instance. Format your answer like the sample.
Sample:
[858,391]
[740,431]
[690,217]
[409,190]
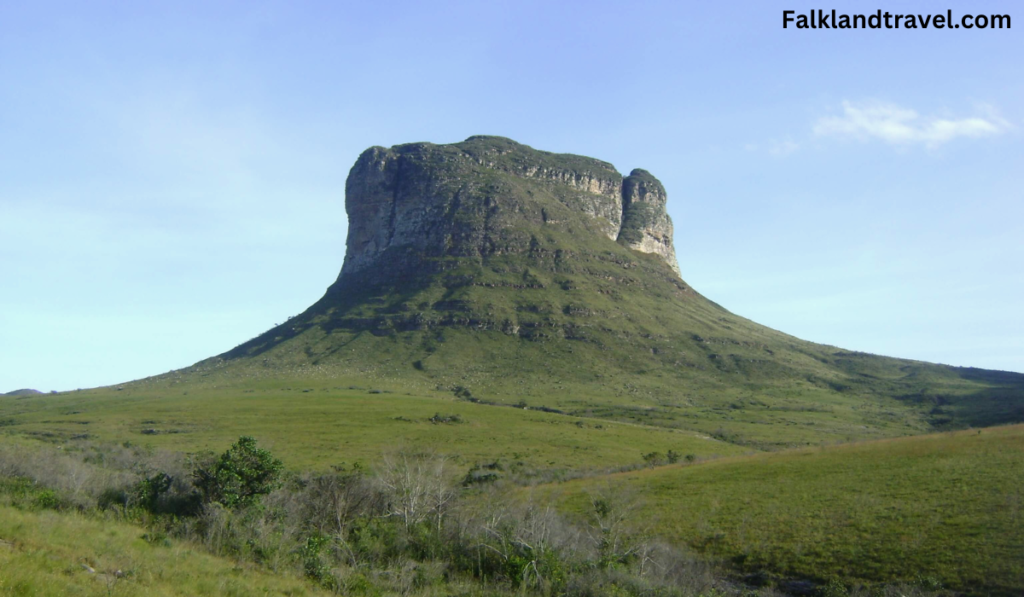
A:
[646,226]
[416,203]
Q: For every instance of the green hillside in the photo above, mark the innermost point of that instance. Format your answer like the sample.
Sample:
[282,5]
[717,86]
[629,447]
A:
[491,271]
[944,509]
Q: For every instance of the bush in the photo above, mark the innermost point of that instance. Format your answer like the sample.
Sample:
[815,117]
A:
[112,497]
[652,458]
[439,418]
[147,491]
[47,499]
[240,476]
[313,564]
[834,588]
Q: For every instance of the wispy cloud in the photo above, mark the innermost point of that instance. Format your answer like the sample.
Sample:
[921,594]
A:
[897,125]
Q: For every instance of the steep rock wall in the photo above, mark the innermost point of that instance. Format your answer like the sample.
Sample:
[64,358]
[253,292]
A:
[482,197]
[646,225]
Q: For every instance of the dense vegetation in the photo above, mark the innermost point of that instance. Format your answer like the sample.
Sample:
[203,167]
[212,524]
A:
[420,524]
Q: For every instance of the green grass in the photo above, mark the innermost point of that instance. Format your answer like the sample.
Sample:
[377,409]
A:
[44,553]
[311,427]
[947,507]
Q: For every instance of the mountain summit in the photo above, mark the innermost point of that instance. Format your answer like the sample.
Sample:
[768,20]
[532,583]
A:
[417,205]
[495,272]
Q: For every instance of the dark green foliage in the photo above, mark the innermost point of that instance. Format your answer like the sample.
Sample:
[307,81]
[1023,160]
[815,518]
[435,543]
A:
[833,588]
[48,499]
[439,418]
[653,458]
[483,473]
[314,562]
[113,497]
[239,477]
[149,490]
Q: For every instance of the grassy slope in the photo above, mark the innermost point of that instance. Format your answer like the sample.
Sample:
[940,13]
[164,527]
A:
[557,313]
[328,425]
[42,554]
[947,506]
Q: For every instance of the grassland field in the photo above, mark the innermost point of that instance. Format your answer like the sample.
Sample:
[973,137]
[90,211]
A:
[943,508]
[317,427]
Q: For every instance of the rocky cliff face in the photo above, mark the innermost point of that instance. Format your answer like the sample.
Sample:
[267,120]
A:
[418,204]
[646,226]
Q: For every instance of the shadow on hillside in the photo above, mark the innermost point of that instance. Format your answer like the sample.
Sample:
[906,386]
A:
[1000,404]
[1002,378]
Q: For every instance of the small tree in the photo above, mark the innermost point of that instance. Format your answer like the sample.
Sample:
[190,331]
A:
[652,458]
[240,476]
[418,487]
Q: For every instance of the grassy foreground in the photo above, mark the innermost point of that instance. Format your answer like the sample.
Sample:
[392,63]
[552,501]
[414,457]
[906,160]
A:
[939,509]
[48,553]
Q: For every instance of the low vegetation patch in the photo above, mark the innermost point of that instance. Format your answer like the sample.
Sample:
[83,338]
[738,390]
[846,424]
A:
[408,527]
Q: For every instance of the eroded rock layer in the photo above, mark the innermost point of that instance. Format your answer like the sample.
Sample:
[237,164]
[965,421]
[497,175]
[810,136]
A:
[413,204]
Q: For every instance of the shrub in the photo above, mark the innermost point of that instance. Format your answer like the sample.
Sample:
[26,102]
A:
[147,491]
[112,497]
[240,476]
[47,499]
[652,458]
[834,588]
[439,418]
[313,564]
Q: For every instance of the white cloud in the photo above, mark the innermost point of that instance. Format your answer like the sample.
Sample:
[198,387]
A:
[902,126]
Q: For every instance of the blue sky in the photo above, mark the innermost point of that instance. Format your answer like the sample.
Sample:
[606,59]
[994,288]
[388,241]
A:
[172,173]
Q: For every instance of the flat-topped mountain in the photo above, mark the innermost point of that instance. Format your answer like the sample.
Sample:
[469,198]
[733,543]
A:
[492,271]
[418,205]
